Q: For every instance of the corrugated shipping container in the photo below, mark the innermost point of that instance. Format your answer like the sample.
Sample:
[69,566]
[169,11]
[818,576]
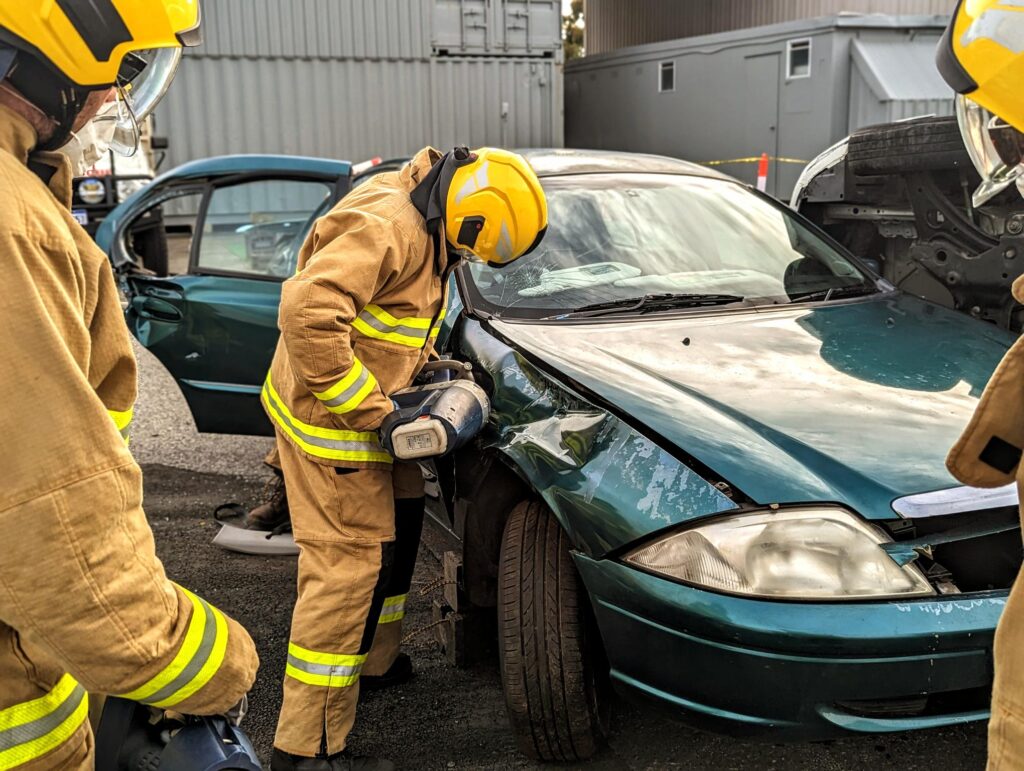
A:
[358,78]
[379,29]
[615,24]
[356,109]
[515,27]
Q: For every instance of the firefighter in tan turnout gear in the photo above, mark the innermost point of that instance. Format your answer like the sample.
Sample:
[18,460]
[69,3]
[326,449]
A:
[982,58]
[357,323]
[85,606]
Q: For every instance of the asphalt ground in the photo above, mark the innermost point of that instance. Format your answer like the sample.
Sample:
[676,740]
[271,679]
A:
[445,717]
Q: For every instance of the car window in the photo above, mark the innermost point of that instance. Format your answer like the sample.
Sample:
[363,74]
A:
[618,236]
[256,227]
[159,238]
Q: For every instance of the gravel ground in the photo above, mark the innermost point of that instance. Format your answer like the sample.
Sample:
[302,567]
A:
[445,718]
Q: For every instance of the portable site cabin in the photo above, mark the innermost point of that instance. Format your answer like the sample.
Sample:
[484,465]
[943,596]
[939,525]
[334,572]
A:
[790,90]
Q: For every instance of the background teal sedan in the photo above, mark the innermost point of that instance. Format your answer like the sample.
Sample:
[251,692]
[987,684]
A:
[714,473]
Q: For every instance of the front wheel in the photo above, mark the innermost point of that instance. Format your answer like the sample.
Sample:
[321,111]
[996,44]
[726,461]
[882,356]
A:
[552,663]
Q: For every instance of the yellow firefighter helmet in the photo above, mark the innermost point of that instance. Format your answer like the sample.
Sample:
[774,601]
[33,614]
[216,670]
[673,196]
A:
[982,57]
[57,51]
[495,207]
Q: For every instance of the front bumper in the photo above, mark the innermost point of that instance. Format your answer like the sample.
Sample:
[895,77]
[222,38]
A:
[796,670]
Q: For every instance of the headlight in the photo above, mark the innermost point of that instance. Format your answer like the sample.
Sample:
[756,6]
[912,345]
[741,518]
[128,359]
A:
[92,190]
[799,554]
[129,187]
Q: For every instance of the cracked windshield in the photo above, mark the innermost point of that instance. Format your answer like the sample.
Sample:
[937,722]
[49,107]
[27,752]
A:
[646,239]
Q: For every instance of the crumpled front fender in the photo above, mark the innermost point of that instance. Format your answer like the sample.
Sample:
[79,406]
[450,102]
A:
[607,484]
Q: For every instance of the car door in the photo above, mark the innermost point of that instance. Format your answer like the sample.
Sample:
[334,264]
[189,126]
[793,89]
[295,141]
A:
[234,238]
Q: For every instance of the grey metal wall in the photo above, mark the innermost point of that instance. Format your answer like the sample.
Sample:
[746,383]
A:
[613,24]
[732,99]
[357,78]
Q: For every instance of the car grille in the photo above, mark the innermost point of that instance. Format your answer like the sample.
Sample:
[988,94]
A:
[931,705]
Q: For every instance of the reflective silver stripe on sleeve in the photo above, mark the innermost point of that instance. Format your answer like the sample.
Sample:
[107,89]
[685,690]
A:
[197,661]
[351,391]
[398,329]
[41,726]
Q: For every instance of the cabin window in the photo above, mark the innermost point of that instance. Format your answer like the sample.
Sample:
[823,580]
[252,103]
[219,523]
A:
[666,77]
[798,59]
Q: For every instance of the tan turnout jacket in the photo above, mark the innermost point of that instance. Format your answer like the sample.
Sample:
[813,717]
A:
[988,455]
[84,602]
[357,320]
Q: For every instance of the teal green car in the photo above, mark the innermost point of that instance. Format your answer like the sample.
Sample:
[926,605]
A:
[714,474]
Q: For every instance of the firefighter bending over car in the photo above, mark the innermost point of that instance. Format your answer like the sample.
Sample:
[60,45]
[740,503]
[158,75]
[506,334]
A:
[85,606]
[358,323]
[982,58]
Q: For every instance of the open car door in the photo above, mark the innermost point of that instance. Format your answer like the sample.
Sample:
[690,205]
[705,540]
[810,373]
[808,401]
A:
[231,236]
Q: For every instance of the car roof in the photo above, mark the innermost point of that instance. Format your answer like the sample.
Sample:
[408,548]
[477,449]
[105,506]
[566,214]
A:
[258,164]
[559,162]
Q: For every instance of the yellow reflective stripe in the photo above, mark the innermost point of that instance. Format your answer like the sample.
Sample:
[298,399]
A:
[331,670]
[374,321]
[415,322]
[31,729]
[200,656]
[349,392]
[393,609]
[328,443]
[122,420]
[437,327]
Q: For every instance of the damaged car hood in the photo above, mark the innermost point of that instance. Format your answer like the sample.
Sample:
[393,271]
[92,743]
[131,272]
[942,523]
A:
[855,403]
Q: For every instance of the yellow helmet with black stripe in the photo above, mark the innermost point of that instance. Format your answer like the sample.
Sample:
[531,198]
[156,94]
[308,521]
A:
[57,51]
[982,58]
[495,207]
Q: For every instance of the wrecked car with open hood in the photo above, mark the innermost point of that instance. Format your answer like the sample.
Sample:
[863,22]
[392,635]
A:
[714,473]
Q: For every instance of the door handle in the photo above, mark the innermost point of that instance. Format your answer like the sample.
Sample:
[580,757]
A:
[156,309]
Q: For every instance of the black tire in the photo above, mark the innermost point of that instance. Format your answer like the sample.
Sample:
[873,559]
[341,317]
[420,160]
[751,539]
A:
[552,664]
[923,144]
[151,245]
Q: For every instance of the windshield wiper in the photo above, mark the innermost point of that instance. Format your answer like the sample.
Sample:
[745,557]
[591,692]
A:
[830,294]
[649,302]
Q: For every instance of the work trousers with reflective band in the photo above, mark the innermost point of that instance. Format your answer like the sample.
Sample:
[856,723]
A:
[408,528]
[344,523]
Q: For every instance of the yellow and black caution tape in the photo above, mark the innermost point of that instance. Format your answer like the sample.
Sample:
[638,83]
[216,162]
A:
[777,159]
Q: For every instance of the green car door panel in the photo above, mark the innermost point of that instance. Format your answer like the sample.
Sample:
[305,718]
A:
[607,484]
[854,403]
[218,348]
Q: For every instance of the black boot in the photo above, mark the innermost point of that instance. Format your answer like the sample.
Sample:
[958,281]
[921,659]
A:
[282,761]
[398,673]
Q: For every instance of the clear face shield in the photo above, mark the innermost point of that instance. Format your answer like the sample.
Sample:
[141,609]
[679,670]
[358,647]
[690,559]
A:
[144,79]
[996,148]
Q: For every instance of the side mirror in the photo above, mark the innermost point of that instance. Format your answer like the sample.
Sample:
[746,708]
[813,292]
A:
[159,143]
[873,263]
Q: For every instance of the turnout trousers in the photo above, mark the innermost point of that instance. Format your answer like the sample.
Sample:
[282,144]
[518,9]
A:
[350,581]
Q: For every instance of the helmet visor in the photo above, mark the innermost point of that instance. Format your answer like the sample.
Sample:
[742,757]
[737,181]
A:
[995,147]
[144,79]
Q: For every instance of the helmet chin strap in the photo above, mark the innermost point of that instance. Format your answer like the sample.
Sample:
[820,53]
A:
[37,86]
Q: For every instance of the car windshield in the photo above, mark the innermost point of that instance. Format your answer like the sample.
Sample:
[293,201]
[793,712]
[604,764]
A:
[672,239]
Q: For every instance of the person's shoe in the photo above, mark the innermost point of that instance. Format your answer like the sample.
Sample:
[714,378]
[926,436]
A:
[398,673]
[282,761]
[273,513]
